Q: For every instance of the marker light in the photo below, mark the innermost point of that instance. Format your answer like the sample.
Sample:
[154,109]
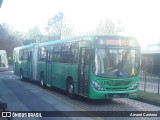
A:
[97,86]
[134,86]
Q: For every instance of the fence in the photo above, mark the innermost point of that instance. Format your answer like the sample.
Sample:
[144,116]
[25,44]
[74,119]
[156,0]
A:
[150,82]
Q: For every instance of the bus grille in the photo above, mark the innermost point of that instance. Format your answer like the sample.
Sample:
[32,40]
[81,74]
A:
[116,89]
[116,83]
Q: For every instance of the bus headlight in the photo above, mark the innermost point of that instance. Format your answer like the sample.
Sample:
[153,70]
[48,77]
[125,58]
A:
[134,86]
[97,86]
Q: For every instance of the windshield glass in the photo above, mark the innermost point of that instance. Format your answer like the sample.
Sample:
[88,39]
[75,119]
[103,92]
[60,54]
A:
[115,62]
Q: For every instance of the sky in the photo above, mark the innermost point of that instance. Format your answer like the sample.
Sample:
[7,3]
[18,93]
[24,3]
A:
[140,18]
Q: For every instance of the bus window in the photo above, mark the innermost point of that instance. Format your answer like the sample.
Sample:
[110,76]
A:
[21,55]
[49,55]
[29,55]
[42,54]
[57,54]
[25,55]
[74,52]
[66,53]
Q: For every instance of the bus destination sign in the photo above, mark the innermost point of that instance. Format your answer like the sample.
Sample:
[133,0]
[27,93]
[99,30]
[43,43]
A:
[116,42]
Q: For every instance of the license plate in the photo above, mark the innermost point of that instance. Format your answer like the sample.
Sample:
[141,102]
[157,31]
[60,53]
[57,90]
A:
[116,96]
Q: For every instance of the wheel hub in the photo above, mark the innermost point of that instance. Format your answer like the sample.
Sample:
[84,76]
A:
[70,88]
[42,81]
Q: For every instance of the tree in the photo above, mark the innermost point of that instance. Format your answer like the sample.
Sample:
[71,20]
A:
[57,27]
[4,31]
[1,1]
[119,27]
[106,27]
[33,35]
[20,36]
[8,40]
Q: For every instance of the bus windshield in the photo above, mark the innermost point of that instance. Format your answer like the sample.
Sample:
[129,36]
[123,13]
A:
[116,62]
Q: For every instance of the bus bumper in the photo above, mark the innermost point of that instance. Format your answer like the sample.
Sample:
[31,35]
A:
[95,94]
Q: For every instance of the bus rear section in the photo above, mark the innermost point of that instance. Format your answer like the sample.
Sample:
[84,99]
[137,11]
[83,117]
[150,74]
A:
[3,60]
[25,61]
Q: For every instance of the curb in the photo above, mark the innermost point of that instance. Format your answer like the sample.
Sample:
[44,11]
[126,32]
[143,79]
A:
[145,100]
[3,105]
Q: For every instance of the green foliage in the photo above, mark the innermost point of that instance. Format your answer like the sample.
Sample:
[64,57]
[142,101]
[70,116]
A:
[1,1]
[7,39]
[34,35]
[27,42]
[57,28]
[3,32]
[106,26]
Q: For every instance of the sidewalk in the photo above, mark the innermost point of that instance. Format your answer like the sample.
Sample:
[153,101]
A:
[3,105]
[151,85]
[151,98]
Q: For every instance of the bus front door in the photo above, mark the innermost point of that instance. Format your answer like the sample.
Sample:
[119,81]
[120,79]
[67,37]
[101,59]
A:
[83,71]
[49,67]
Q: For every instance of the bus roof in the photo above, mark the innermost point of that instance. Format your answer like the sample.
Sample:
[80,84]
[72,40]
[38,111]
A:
[24,46]
[92,36]
[78,38]
[84,37]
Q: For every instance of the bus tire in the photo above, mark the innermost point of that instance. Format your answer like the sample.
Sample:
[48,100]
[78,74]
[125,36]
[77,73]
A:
[43,85]
[70,89]
[21,75]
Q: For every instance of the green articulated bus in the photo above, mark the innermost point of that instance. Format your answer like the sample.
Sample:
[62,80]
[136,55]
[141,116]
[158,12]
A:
[93,66]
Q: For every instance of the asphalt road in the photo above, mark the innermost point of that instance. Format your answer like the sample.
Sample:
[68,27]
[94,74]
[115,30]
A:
[29,96]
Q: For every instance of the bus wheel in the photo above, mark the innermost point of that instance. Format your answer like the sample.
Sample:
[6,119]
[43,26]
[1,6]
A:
[70,89]
[21,75]
[42,81]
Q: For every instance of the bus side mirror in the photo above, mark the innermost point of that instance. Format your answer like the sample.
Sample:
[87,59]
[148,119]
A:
[92,53]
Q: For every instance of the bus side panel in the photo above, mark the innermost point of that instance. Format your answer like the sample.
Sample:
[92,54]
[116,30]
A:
[24,68]
[41,68]
[34,63]
[58,76]
[70,71]
[17,67]
[63,71]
